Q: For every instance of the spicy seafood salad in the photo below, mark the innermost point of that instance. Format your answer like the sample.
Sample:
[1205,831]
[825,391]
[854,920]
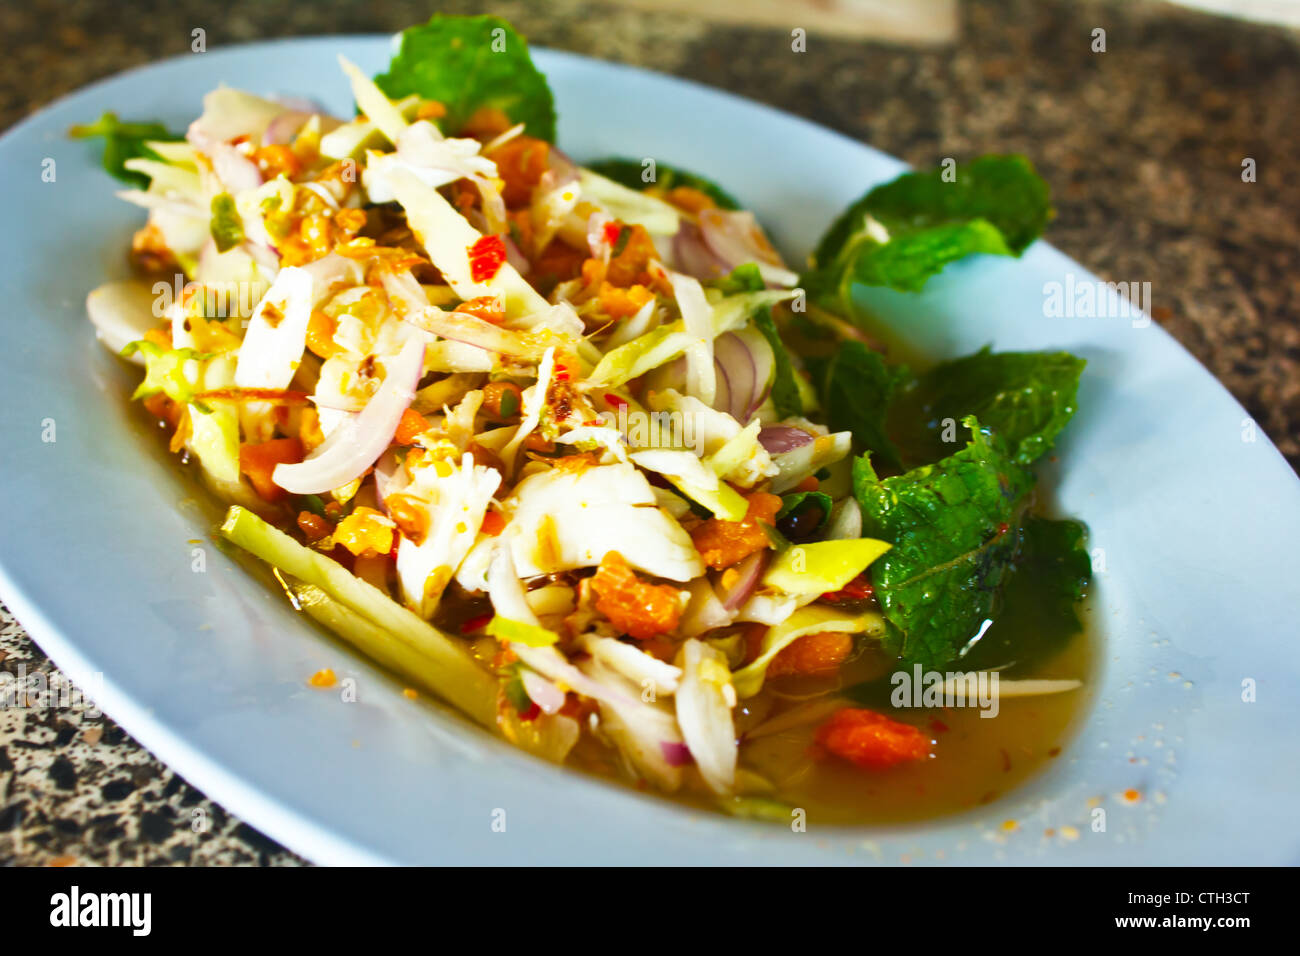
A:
[571,447]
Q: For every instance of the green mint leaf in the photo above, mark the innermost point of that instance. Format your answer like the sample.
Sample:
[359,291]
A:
[1039,610]
[901,233]
[123,141]
[743,278]
[1027,398]
[952,526]
[468,63]
[857,388]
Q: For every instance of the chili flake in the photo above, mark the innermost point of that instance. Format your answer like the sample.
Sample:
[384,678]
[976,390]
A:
[486,257]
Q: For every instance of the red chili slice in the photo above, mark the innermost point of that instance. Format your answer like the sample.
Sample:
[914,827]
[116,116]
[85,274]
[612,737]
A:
[486,257]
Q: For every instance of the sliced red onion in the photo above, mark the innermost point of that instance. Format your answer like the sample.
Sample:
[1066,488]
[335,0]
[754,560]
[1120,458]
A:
[846,521]
[385,477]
[299,104]
[285,127]
[331,271]
[333,401]
[515,256]
[703,707]
[235,170]
[542,692]
[321,190]
[551,663]
[596,241]
[353,446]
[764,368]
[697,320]
[561,168]
[723,399]
[778,439]
[692,256]
[736,238]
[735,362]
[748,573]
[267,259]
[229,113]
[675,754]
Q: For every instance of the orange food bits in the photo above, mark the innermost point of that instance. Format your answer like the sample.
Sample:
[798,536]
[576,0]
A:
[723,543]
[276,159]
[325,677]
[430,110]
[309,430]
[486,122]
[365,531]
[150,253]
[320,334]
[689,199]
[871,740]
[635,606]
[348,222]
[592,272]
[559,260]
[316,234]
[160,406]
[623,303]
[859,589]
[813,655]
[626,268]
[503,400]
[258,462]
[411,427]
[410,516]
[489,308]
[521,163]
[494,522]
[313,526]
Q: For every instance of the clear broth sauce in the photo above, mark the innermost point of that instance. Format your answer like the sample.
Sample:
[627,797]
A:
[974,759]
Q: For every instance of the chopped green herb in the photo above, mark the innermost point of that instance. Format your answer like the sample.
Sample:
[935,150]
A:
[624,234]
[856,392]
[123,141]
[227,228]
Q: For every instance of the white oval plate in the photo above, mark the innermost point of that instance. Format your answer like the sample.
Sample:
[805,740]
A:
[1197,524]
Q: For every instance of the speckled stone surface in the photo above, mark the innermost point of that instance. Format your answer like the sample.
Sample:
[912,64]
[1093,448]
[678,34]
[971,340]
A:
[1143,145]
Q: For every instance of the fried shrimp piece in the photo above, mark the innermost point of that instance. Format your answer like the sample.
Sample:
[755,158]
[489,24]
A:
[723,543]
[635,606]
[871,740]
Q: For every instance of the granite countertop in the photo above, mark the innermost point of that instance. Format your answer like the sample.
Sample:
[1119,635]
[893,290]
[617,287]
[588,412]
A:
[1142,144]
